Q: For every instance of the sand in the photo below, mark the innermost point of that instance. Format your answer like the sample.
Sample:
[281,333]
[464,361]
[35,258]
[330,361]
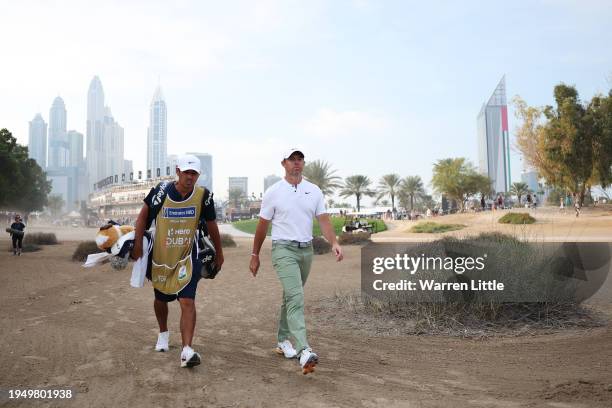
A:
[86,329]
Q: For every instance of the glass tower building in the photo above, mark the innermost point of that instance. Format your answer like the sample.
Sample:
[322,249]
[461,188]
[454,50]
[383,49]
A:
[493,140]
[157,135]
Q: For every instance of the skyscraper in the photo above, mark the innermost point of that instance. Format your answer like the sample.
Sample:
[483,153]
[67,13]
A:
[37,141]
[58,148]
[239,183]
[157,137]
[493,139]
[128,168]
[205,179]
[104,138]
[269,180]
[113,138]
[74,143]
[95,135]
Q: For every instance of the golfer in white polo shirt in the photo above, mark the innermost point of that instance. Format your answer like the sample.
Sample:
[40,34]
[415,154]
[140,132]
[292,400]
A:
[291,204]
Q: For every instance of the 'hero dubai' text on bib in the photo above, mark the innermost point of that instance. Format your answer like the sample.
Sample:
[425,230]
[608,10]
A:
[176,228]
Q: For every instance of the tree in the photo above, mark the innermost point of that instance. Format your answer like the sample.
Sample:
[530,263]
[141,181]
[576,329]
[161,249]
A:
[388,185]
[411,188]
[599,114]
[519,189]
[358,186]
[55,204]
[320,173]
[458,180]
[530,135]
[572,147]
[330,203]
[23,184]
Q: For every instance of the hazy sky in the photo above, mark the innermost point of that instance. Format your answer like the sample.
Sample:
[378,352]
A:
[372,87]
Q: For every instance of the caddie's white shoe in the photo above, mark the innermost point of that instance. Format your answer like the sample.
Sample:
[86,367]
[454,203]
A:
[308,360]
[189,358]
[162,341]
[286,348]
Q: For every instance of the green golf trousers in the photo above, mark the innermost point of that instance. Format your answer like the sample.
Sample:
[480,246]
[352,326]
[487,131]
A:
[292,265]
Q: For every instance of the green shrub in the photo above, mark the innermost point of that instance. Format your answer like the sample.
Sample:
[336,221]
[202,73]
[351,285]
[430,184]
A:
[85,248]
[354,238]
[227,241]
[40,238]
[320,246]
[435,228]
[517,218]
[534,297]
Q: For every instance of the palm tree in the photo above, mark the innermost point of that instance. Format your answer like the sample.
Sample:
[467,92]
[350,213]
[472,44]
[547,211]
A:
[358,186]
[519,189]
[411,187]
[320,173]
[389,185]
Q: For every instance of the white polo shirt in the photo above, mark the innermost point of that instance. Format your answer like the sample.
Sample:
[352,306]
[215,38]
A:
[292,209]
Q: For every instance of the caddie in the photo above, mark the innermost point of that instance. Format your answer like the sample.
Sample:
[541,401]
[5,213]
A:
[290,205]
[174,265]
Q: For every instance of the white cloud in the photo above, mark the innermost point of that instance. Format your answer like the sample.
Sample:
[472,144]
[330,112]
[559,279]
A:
[333,123]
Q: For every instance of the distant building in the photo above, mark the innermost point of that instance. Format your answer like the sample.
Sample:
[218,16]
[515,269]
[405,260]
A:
[122,202]
[206,177]
[128,170]
[74,145]
[96,147]
[493,139]
[157,135]
[113,137]
[65,183]
[531,179]
[58,145]
[269,180]
[37,141]
[241,183]
[172,162]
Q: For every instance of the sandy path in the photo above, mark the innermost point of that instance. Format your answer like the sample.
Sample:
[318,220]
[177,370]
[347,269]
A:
[64,326]
[593,225]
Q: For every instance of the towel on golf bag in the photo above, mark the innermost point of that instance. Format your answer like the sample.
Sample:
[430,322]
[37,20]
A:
[15,232]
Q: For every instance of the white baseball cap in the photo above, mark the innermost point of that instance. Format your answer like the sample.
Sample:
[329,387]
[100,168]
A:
[188,162]
[288,152]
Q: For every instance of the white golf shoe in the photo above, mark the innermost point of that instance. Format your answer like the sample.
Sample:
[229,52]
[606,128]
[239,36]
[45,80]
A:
[286,348]
[308,360]
[189,358]
[162,341]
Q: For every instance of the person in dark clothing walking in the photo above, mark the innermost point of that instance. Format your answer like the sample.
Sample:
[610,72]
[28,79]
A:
[17,234]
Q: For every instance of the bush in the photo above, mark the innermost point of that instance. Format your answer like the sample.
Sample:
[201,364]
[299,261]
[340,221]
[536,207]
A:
[40,238]
[85,248]
[227,241]
[320,246]
[355,238]
[517,218]
[435,228]
[535,298]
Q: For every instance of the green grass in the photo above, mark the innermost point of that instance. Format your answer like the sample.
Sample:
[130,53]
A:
[249,226]
[517,218]
[435,228]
